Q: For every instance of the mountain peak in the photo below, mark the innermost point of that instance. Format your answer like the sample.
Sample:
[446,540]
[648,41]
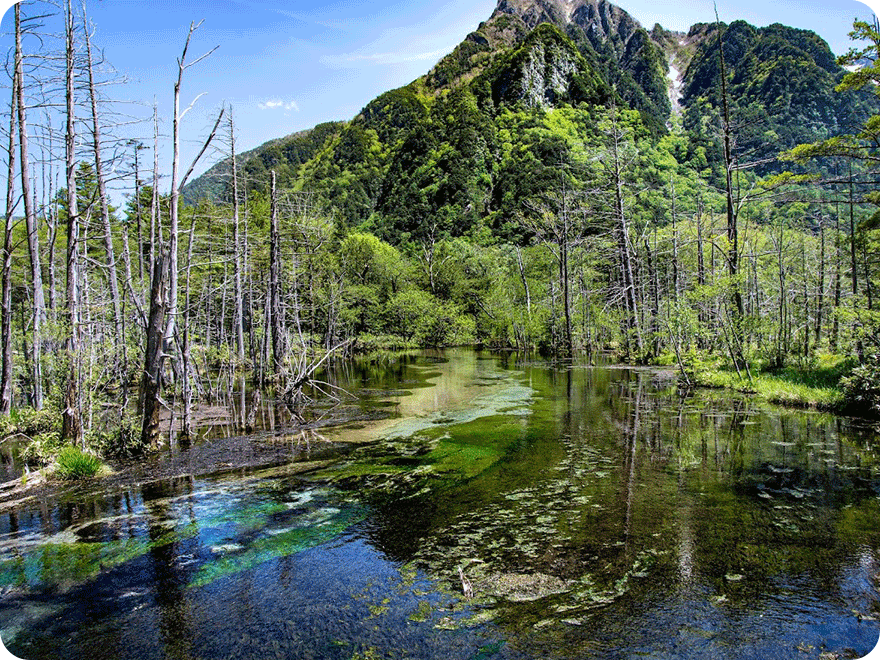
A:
[535,12]
[598,15]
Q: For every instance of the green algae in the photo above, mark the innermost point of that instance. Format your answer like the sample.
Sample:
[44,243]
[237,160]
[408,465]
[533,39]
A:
[321,528]
[66,564]
[423,613]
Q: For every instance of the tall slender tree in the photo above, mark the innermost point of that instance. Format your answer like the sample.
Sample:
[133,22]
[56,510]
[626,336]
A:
[31,223]
[71,424]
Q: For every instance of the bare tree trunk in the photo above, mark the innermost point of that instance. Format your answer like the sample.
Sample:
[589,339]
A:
[820,296]
[806,297]
[151,379]
[854,271]
[564,247]
[51,223]
[675,275]
[274,307]
[175,198]
[186,432]
[701,272]
[655,296]
[6,272]
[71,425]
[623,243]
[522,275]
[732,231]
[835,321]
[137,212]
[103,201]
[155,209]
[248,273]
[30,215]
[237,255]
[860,350]
[173,229]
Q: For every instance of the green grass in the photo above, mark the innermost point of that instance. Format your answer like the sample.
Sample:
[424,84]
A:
[73,463]
[816,385]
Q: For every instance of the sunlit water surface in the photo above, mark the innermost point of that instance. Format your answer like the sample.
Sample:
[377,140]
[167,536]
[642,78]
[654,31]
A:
[595,512]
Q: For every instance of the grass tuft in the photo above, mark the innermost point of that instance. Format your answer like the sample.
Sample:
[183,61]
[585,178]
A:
[72,463]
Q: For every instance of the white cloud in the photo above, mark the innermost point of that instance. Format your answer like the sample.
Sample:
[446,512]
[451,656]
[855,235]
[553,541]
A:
[275,104]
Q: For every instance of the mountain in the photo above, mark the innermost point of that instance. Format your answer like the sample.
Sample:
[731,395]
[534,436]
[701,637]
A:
[781,84]
[611,40]
[464,147]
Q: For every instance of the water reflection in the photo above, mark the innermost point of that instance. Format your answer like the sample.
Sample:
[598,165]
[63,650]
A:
[597,512]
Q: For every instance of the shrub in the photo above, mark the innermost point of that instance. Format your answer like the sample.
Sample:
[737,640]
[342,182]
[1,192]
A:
[73,463]
[861,389]
[31,422]
[42,448]
[123,440]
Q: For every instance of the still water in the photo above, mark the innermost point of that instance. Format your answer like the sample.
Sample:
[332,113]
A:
[593,511]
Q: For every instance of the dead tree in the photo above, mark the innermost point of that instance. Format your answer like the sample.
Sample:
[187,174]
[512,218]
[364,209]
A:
[103,201]
[615,166]
[71,425]
[149,402]
[30,214]
[274,307]
[176,182]
[738,312]
[237,256]
[6,271]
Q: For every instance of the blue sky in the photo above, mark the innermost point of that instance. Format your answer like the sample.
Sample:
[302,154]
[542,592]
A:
[286,66]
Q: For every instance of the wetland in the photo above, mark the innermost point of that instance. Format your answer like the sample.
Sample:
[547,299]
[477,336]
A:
[595,512]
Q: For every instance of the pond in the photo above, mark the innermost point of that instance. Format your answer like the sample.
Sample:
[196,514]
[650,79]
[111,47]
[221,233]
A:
[498,508]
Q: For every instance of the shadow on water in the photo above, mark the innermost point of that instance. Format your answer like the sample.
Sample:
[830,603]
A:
[595,511]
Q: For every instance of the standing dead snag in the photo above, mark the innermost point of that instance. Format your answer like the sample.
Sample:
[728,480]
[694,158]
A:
[30,214]
[176,182]
[274,306]
[151,378]
[101,180]
[71,425]
[6,272]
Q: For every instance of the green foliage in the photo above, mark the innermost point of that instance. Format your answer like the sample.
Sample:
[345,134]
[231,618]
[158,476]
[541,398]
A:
[780,90]
[43,448]
[73,463]
[122,440]
[546,70]
[29,421]
[783,390]
[462,60]
[862,387]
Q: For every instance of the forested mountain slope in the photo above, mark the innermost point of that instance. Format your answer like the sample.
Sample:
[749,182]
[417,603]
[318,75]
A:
[448,152]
